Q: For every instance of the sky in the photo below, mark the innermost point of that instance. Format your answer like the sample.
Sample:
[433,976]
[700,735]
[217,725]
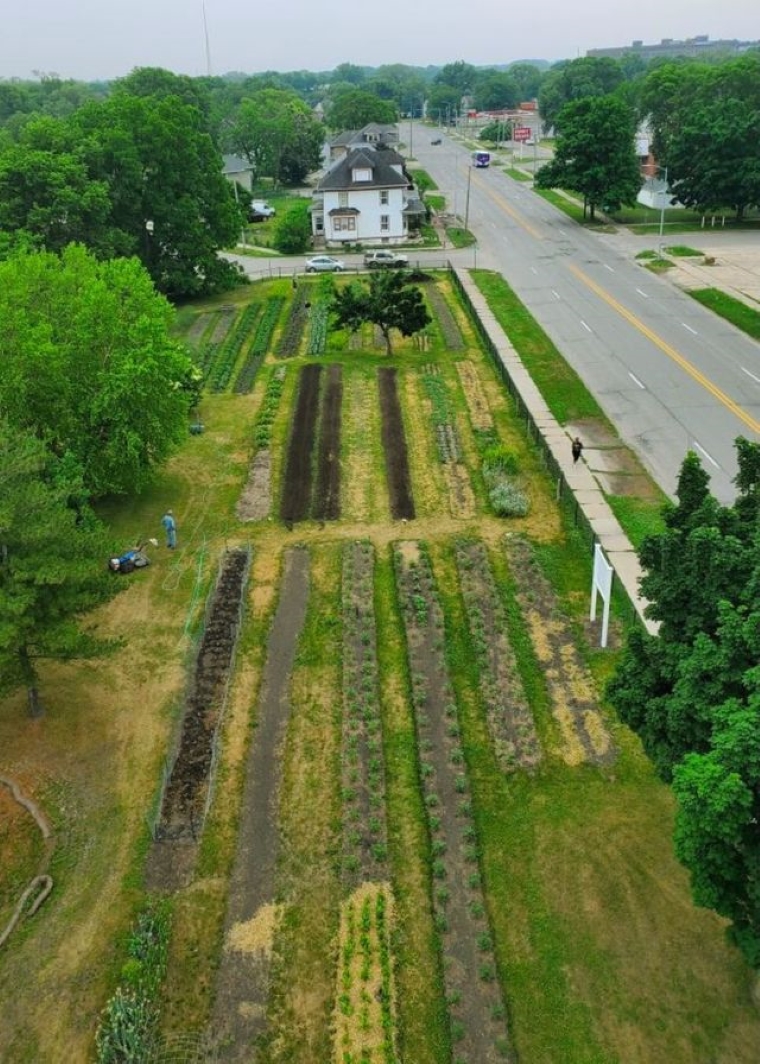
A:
[102,39]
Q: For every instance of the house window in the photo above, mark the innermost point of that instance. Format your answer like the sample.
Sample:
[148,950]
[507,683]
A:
[362,175]
[384,197]
[342,199]
[344,225]
[319,223]
[385,223]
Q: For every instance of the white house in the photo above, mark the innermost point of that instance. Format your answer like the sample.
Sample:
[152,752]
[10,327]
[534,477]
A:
[238,171]
[365,197]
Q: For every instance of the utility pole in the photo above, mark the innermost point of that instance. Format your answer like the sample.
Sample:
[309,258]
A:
[208,46]
[467,201]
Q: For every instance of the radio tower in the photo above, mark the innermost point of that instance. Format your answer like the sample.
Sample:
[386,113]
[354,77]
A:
[208,46]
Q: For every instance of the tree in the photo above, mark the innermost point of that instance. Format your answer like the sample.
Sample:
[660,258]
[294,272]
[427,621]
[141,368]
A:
[278,134]
[692,693]
[527,78]
[577,79]
[161,167]
[388,300]
[351,108]
[292,231]
[52,564]
[459,75]
[595,154]
[495,90]
[89,365]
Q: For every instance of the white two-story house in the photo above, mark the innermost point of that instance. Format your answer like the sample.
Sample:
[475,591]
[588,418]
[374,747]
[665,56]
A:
[365,197]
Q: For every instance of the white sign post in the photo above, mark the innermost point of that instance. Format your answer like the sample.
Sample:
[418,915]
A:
[601,582]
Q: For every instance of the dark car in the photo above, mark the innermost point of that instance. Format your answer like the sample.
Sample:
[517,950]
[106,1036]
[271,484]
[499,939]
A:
[436,140]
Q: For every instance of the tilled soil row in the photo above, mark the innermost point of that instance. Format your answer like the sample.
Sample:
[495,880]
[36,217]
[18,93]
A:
[575,705]
[477,403]
[327,489]
[476,1010]
[395,447]
[243,979]
[296,495]
[510,721]
[186,792]
[363,777]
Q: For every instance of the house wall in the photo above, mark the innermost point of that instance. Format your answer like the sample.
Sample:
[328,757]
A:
[368,220]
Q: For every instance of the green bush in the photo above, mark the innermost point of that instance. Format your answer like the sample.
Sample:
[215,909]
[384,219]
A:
[292,233]
[499,460]
[508,501]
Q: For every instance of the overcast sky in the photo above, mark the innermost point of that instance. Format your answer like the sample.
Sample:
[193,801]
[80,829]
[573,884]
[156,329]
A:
[92,39]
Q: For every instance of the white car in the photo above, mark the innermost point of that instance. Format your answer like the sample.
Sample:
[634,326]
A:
[324,264]
[260,210]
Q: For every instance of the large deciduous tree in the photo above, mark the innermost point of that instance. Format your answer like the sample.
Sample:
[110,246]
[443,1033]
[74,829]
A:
[595,154]
[278,134]
[388,300]
[692,693]
[90,366]
[351,108]
[52,569]
[576,79]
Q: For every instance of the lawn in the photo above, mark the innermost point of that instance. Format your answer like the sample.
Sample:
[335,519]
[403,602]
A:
[560,879]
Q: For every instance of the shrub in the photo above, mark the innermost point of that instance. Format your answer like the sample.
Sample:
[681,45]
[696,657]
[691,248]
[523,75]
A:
[499,460]
[508,501]
[292,233]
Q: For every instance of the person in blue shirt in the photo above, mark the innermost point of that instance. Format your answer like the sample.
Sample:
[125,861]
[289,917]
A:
[170,527]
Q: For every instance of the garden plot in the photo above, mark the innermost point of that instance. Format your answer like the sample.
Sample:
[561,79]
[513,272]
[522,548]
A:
[259,345]
[299,473]
[298,315]
[326,506]
[363,775]
[188,789]
[452,334]
[365,1018]
[253,912]
[476,1010]
[477,402]
[509,717]
[255,502]
[575,705]
[394,445]
[448,446]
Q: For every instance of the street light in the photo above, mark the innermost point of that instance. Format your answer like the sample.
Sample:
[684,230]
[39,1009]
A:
[662,210]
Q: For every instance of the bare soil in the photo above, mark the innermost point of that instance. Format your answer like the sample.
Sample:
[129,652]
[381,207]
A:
[394,445]
[327,488]
[299,473]
[255,502]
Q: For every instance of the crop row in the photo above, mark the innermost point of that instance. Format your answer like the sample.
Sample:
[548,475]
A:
[290,340]
[221,370]
[320,314]
[262,430]
[451,332]
[260,345]
[443,417]
[363,777]
[476,1010]
[365,1022]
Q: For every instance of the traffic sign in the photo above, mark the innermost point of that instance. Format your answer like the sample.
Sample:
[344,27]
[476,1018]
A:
[522,133]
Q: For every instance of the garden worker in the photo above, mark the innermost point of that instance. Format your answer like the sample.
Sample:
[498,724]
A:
[576,448]
[170,526]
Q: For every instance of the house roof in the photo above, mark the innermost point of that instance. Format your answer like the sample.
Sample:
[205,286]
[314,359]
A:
[379,127]
[384,175]
[233,164]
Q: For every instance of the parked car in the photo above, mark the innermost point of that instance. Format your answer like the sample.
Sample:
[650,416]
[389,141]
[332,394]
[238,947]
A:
[436,140]
[260,211]
[324,264]
[375,260]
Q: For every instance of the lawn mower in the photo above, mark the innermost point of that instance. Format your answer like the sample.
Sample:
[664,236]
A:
[134,558]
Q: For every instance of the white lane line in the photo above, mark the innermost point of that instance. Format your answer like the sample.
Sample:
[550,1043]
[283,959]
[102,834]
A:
[636,380]
[752,375]
[642,293]
[608,268]
[709,457]
[689,328]
[562,232]
[556,294]
[586,327]
[534,270]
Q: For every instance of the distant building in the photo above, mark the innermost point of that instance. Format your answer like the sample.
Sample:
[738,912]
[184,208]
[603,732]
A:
[693,47]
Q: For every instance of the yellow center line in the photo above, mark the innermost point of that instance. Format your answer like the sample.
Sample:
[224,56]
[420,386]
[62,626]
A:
[513,214]
[671,352]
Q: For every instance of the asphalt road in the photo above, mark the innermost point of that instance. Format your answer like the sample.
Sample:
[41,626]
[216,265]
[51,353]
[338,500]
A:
[669,374]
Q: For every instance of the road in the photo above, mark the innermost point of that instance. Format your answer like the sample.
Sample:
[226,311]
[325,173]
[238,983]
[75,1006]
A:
[670,375]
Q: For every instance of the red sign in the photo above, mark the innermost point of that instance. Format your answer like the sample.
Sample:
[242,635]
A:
[522,133]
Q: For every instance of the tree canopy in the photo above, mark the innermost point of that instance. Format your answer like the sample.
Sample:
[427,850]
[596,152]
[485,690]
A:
[595,153]
[388,300]
[692,693]
[89,365]
[52,563]
[353,108]
[278,134]
[576,79]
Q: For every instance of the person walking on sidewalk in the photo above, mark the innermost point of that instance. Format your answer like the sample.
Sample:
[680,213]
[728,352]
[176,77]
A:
[577,448]
[170,527]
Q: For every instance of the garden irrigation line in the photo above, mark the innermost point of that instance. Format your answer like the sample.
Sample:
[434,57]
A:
[41,883]
[196,588]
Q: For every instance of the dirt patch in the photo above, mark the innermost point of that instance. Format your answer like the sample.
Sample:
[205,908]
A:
[243,978]
[327,488]
[255,502]
[477,402]
[296,495]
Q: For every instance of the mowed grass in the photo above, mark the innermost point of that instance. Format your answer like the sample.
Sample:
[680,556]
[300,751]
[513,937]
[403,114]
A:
[733,310]
[601,954]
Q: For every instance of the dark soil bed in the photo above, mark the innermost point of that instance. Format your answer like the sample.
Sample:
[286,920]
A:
[296,495]
[394,445]
[327,488]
